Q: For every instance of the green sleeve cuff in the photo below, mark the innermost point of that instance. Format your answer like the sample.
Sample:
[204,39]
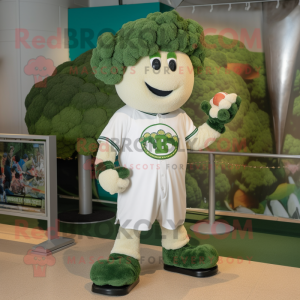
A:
[106,165]
[112,143]
[191,134]
[123,172]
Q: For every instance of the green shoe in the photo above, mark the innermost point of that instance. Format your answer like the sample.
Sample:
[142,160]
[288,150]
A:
[117,270]
[191,257]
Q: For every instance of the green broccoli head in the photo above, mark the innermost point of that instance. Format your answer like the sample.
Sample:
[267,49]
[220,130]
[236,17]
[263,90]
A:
[291,145]
[297,81]
[144,37]
[292,125]
[257,181]
[220,58]
[222,185]
[73,105]
[193,192]
[296,107]
[224,50]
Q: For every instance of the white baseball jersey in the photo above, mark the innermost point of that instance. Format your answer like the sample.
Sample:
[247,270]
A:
[153,147]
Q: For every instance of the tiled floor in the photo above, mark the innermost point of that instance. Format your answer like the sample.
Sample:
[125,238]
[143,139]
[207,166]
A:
[68,278]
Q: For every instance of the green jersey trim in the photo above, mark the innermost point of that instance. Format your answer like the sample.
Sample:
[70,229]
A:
[191,135]
[113,144]
[152,114]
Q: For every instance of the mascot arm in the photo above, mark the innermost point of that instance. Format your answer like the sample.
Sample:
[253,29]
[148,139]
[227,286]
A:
[105,153]
[219,114]
[112,179]
[204,137]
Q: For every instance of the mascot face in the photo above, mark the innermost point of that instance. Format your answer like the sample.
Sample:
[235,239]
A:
[160,83]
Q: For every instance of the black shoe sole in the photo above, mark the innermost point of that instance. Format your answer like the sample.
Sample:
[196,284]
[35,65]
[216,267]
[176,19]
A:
[110,290]
[196,273]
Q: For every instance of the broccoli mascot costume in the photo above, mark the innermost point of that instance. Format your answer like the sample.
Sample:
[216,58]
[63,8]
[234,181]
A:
[152,62]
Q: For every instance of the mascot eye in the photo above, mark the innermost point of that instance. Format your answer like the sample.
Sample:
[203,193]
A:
[172,64]
[155,63]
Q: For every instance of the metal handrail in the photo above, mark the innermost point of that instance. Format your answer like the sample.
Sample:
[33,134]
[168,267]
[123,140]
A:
[211,227]
[265,155]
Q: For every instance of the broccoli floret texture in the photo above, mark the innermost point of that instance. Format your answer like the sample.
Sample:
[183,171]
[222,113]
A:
[73,105]
[224,50]
[292,139]
[194,195]
[158,31]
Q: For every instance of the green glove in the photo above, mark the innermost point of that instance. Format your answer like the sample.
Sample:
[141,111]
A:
[224,115]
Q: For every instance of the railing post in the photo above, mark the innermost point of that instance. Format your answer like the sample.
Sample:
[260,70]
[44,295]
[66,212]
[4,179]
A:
[85,214]
[212,193]
[84,185]
[212,227]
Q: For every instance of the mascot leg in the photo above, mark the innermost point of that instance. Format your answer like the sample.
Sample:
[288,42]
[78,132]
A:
[181,257]
[119,274]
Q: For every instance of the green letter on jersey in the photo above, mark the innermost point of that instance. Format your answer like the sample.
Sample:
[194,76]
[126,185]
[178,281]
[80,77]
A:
[161,142]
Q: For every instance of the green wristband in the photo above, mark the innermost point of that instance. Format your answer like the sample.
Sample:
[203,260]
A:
[216,125]
[106,165]
[123,172]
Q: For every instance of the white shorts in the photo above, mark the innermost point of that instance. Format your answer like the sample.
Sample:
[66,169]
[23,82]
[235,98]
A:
[157,194]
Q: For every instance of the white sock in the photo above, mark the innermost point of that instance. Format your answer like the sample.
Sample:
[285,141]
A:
[127,243]
[174,239]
